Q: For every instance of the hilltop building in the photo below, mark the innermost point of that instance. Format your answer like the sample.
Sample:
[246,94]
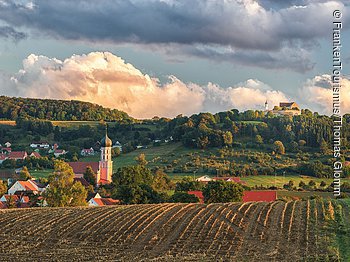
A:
[284,109]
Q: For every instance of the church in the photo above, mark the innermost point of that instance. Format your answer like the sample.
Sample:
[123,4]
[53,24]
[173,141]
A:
[103,169]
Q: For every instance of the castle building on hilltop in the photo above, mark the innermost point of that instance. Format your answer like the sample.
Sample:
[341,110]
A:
[284,109]
[105,163]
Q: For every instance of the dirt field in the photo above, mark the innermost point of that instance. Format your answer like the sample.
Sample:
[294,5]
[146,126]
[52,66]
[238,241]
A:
[278,231]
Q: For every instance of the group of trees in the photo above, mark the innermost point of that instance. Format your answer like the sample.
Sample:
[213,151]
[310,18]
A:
[12,108]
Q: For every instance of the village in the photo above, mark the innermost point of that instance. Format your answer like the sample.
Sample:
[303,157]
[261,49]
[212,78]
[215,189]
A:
[27,191]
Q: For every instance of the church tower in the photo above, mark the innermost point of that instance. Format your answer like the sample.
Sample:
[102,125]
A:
[266,106]
[106,163]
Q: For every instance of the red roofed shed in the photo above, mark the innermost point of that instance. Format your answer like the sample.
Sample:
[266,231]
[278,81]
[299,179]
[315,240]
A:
[198,194]
[263,195]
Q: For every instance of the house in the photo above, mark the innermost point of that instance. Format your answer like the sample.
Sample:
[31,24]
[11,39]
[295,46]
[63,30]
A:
[83,181]
[262,195]
[198,194]
[35,155]
[59,152]
[42,144]
[18,199]
[8,144]
[79,168]
[29,186]
[204,179]
[6,149]
[97,200]
[230,179]
[16,155]
[118,145]
[87,152]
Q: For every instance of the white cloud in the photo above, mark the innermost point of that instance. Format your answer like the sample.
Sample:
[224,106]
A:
[106,79]
[317,94]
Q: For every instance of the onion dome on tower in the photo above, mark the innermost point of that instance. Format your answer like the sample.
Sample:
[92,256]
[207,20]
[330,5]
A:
[106,141]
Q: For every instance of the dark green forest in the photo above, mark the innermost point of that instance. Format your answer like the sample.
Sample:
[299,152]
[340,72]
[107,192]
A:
[12,108]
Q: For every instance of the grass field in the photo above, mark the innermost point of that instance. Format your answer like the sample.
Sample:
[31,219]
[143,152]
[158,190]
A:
[255,231]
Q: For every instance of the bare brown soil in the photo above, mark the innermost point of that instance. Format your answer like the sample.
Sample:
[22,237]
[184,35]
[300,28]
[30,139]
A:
[275,231]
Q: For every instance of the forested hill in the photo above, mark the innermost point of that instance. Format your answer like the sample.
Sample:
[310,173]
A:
[12,108]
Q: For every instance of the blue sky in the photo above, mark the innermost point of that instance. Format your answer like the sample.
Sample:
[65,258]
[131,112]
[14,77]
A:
[216,51]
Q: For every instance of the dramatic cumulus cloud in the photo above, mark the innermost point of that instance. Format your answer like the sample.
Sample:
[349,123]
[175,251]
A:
[317,94]
[250,32]
[106,79]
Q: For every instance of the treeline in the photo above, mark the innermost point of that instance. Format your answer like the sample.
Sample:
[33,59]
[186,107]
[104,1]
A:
[12,108]
[217,130]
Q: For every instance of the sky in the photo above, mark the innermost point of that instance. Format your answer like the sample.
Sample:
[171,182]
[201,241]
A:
[169,57]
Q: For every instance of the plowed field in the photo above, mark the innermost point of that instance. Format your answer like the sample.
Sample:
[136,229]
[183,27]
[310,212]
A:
[278,231]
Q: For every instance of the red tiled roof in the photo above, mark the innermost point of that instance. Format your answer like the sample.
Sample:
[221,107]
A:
[80,167]
[3,156]
[14,197]
[82,181]
[3,205]
[263,195]
[35,154]
[18,155]
[106,201]
[198,194]
[28,185]
[59,151]
[8,149]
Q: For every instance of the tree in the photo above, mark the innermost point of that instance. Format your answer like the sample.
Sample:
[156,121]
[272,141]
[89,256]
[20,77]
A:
[324,147]
[279,147]
[24,174]
[187,184]
[63,191]
[202,142]
[161,181]
[222,192]
[183,197]
[133,185]
[228,138]
[302,184]
[312,183]
[90,176]
[3,188]
[323,184]
[259,140]
[141,159]
[115,152]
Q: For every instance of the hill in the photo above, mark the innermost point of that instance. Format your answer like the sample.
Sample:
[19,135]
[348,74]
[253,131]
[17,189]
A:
[278,231]
[12,108]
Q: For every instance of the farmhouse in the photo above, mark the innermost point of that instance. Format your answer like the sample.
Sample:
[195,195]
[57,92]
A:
[87,152]
[42,144]
[16,155]
[97,200]
[59,152]
[230,179]
[204,179]
[35,154]
[29,186]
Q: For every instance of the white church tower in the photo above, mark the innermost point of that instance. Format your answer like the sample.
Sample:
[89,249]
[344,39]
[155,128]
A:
[106,163]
